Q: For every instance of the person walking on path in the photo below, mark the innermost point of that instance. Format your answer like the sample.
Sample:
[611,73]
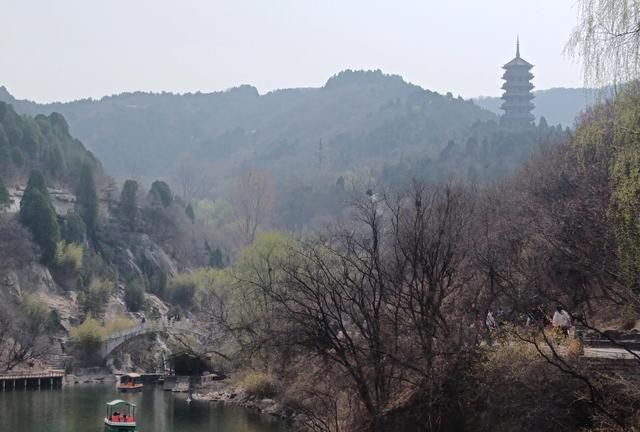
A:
[490,321]
[561,320]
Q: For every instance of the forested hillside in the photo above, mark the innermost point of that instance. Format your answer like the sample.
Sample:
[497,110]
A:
[358,119]
[41,142]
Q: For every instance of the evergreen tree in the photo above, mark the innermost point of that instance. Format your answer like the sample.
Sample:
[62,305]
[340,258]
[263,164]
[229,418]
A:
[160,191]
[543,123]
[5,149]
[39,216]
[87,198]
[4,195]
[73,228]
[216,258]
[134,295]
[129,203]
[36,181]
[17,157]
[190,214]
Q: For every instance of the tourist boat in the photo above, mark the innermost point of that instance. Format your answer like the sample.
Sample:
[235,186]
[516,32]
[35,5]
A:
[121,416]
[131,382]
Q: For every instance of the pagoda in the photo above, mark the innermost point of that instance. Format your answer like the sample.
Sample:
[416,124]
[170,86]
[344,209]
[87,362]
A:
[517,95]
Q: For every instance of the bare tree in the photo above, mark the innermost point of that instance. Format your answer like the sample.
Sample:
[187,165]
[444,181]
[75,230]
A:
[253,198]
[16,246]
[550,237]
[383,301]
[23,329]
[193,178]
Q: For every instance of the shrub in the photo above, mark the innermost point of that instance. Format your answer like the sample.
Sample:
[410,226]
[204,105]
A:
[158,283]
[512,379]
[575,348]
[117,325]
[95,297]
[88,336]
[182,289]
[53,321]
[175,312]
[69,256]
[134,294]
[260,385]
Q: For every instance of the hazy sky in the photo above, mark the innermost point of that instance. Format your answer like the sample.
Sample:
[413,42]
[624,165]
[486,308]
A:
[68,49]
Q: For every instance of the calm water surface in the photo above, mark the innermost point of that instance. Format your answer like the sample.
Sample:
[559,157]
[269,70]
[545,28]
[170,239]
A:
[82,409]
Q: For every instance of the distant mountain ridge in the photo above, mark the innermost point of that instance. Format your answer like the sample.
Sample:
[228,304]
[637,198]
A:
[358,118]
[557,105]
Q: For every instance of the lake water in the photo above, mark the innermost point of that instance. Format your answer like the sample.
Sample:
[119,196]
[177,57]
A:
[82,408]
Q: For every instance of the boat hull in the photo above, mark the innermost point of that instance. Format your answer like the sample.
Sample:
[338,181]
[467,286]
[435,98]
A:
[130,389]
[118,427]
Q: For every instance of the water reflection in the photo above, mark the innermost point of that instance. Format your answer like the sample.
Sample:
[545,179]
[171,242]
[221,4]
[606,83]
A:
[82,408]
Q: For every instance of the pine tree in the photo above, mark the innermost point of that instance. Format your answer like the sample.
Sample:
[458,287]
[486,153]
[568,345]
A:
[190,214]
[87,198]
[73,228]
[4,195]
[160,191]
[129,203]
[39,216]
[36,181]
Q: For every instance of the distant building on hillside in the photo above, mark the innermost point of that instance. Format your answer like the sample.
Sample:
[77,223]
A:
[517,95]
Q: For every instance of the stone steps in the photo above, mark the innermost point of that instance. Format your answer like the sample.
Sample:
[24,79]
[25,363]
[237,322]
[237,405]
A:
[59,361]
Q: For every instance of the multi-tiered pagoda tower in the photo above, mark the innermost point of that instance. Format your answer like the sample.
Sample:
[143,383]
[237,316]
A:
[517,95]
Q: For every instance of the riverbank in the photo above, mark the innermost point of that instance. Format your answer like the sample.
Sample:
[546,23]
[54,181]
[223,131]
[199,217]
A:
[95,375]
[226,393]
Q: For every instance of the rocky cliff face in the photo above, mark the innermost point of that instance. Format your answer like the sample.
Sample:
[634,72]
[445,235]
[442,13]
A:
[63,200]
[35,279]
[136,255]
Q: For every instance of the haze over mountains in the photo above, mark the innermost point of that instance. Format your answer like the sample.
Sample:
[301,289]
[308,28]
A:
[556,105]
[357,119]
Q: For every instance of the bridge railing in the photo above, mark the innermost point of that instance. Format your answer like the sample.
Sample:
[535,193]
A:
[152,326]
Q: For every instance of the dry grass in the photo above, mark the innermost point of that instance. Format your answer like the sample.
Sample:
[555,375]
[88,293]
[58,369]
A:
[259,384]
[575,348]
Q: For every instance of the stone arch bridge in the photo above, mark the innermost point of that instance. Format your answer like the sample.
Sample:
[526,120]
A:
[114,341]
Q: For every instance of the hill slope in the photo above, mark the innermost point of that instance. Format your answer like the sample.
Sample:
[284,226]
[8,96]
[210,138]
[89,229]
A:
[41,142]
[356,119]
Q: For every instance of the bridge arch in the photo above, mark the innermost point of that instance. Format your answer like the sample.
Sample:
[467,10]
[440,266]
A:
[116,340]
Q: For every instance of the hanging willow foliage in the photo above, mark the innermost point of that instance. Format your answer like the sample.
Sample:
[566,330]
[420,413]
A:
[611,131]
[607,39]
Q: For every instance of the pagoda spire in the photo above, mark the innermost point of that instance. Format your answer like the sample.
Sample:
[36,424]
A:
[517,95]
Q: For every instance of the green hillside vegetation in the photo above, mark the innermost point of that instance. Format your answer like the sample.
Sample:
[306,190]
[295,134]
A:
[488,152]
[40,142]
[39,216]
